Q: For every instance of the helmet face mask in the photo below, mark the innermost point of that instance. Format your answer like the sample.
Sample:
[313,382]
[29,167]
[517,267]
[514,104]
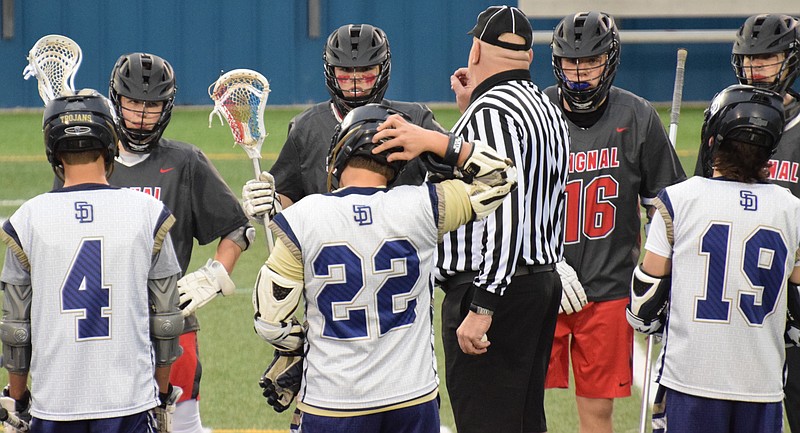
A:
[362,53]
[593,38]
[79,123]
[766,52]
[145,80]
[745,114]
[353,137]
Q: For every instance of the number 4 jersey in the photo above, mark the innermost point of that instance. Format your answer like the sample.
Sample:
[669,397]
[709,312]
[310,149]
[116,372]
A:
[87,251]
[733,246]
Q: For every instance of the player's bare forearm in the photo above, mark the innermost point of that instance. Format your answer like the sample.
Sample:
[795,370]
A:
[227,253]
[162,378]
[17,384]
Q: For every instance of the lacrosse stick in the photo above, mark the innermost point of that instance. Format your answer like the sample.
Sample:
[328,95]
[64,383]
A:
[241,96]
[13,420]
[677,97]
[54,60]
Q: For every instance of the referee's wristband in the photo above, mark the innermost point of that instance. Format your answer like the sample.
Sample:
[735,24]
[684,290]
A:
[480,310]
[453,151]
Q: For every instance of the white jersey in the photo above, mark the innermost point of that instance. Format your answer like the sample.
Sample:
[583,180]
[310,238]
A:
[733,247]
[367,255]
[87,252]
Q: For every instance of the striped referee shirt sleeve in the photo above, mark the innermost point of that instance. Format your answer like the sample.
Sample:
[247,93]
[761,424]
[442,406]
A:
[520,123]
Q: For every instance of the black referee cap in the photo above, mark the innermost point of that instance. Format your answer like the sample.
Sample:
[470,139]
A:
[497,20]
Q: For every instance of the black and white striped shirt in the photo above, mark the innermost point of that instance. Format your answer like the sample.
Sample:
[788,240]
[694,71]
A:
[510,114]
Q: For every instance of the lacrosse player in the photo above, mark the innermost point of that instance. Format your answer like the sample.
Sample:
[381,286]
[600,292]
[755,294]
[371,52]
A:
[367,336]
[90,289]
[357,66]
[766,54]
[714,276]
[142,88]
[620,156]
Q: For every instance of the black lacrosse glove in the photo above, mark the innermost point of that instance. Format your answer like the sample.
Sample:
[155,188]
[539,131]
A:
[281,380]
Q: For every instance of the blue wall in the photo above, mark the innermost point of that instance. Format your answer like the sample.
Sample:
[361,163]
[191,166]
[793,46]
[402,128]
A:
[203,37]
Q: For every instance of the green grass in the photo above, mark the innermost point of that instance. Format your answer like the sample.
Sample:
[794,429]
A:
[233,356]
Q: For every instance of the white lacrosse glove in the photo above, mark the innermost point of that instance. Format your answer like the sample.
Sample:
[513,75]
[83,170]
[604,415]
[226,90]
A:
[166,408]
[486,165]
[19,417]
[201,286]
[573,297]
[259,197]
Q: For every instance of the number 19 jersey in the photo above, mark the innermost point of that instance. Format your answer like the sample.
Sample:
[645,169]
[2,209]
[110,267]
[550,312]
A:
[733,248]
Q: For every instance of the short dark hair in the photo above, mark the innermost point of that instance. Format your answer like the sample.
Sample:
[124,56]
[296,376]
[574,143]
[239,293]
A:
[358,161]
[75,158]
[742,162]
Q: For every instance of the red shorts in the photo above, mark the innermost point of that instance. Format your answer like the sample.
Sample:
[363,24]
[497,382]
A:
[186,370]
[601,348]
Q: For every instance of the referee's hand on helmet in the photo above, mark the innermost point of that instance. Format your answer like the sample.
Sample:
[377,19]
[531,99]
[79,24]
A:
[396,131]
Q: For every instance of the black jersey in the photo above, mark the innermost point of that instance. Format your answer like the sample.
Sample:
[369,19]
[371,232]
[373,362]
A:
[301,167]
[623,158]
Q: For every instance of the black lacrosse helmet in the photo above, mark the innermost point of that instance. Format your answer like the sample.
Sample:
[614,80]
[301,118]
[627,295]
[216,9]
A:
[77,123]
[143,77]
[585,34]
[742,113]
[357,46]
[769,34]
[353,137]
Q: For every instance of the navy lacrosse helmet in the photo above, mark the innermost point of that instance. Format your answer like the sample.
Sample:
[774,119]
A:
[77,123]
[745,114]
[143,77]
[353,137]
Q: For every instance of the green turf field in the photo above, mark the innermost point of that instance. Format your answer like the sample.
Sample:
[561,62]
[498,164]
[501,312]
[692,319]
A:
[233,356]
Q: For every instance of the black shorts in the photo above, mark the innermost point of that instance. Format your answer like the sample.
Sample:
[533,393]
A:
[503,389]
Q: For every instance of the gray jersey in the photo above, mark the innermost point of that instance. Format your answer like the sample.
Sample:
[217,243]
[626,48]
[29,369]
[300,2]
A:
[181,176]
[87,252]
[301,168]
[623,158]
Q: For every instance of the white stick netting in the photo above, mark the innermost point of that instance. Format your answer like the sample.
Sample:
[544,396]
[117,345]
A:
[54,60]
[241,95]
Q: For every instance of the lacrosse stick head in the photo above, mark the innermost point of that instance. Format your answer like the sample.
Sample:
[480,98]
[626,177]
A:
[241,96]
[54,60]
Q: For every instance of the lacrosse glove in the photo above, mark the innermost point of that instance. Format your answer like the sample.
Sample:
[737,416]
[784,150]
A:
[201,286]
[281,381]
[573,296]
[259,197]
[166,408]
[19,416]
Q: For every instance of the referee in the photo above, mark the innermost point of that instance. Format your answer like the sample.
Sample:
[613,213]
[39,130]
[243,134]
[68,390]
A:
[500,272]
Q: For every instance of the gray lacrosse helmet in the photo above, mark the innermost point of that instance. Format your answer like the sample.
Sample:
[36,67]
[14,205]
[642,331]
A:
[768,34]
[357,46]
[585,34]
[143,77]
